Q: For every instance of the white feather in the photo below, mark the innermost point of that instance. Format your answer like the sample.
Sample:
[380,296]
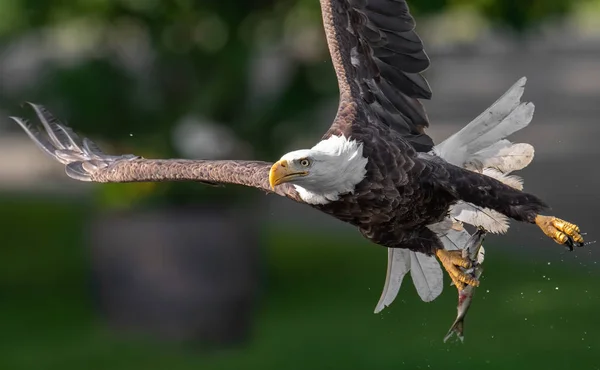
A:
[338,164]
[459,147]
[398,265]
[494,222]
[454,239]
[426,275]
[517,119]
[481,255]
[505,157]
[443,226]
[510,180]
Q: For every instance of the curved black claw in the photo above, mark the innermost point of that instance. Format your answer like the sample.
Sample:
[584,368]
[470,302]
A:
[571,244]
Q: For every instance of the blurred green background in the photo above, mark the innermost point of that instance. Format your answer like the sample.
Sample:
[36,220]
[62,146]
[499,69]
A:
[138,276]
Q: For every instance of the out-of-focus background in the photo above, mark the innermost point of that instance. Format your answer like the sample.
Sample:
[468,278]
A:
[181,276]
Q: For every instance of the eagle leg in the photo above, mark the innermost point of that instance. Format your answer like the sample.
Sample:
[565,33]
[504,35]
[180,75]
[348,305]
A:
[452,260]
[560,231]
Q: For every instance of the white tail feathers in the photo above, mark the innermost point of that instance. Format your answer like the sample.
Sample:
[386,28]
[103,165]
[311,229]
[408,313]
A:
[517,119]
[480,146]
[503,118]
[398,266]
[426,275]
[424,270]
[504,156]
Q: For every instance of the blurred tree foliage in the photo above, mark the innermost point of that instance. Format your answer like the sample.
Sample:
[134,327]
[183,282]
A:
[520,15]
[127,71]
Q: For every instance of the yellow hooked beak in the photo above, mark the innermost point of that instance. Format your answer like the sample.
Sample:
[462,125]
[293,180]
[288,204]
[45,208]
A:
[282,172]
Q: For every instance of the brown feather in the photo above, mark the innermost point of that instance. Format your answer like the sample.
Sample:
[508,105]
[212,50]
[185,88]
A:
[378,57]
[86,162]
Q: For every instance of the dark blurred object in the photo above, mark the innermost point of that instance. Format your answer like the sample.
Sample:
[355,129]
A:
[177,274]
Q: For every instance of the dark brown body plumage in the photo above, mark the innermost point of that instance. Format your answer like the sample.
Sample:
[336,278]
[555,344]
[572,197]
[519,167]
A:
[378,58]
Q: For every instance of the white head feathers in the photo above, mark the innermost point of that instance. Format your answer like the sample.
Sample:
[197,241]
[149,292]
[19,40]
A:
[337,165]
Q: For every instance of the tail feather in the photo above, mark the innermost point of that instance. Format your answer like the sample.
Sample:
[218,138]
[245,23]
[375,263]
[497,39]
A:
[504,117]
[505,157]
[398,265]
[517,119]
[426,275]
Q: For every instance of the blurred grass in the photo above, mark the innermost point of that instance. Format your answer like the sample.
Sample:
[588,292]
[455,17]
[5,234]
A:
[316,312]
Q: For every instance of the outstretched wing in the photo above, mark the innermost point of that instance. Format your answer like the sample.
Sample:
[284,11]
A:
[86,162]
[378,58]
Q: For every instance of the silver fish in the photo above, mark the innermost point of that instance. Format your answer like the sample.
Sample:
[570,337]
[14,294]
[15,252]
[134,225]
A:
[474,250]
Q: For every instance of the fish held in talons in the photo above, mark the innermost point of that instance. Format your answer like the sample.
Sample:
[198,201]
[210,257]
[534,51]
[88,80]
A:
[473,250]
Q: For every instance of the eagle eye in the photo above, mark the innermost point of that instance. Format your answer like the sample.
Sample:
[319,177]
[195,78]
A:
[304,162]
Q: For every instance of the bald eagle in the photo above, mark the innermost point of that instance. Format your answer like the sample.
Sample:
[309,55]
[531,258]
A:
[375,168]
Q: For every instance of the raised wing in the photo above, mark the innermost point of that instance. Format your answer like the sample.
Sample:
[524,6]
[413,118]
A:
[86,162]
[378,58]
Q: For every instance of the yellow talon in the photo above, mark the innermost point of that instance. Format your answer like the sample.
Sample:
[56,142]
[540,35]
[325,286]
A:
[561,231]
[452,260]
[560,237]
[567,227]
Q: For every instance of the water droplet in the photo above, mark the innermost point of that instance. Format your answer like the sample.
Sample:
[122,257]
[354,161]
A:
[525,319]
[556,288]
[487,291]
[130,134]
[539,291]
[548,263]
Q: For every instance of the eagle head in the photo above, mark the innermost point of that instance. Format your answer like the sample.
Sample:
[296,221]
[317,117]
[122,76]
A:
[321,174]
